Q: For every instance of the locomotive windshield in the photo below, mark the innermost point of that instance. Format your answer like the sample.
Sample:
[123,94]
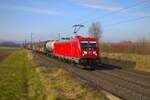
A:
[88,44]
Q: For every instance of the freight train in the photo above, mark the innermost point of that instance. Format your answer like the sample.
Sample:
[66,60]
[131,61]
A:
[78,50]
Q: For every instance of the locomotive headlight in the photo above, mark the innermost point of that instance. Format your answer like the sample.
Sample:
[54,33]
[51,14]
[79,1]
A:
[95,53]
[84,53]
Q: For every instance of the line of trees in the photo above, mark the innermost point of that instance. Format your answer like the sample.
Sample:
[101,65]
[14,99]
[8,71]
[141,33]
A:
[139,47]
[142,46]
[9,44]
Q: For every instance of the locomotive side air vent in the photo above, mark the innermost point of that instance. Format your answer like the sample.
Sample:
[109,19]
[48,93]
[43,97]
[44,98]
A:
[65,38]
[78,36]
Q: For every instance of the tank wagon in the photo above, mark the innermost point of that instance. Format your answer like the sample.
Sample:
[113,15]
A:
[80,50]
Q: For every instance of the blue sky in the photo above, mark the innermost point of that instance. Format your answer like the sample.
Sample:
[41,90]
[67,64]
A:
[47,18]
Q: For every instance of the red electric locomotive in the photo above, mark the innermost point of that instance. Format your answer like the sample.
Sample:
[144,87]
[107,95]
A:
[78,50]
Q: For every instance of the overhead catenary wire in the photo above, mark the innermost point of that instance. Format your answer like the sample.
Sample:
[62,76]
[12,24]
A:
[126,21]
[117,11]
[111,13]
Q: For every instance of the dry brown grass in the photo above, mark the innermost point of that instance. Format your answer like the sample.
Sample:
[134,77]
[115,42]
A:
[142,62]
[62,85]
[128,53]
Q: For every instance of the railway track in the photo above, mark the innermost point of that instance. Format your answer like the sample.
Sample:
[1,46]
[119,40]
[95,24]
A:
[128,85]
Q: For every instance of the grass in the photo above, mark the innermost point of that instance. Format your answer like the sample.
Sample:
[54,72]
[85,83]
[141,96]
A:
[62,85]
[19,81]
[142,62]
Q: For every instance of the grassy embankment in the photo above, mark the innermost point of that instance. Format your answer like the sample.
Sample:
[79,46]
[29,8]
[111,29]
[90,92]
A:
[142,62]
[21,81]
[60,85]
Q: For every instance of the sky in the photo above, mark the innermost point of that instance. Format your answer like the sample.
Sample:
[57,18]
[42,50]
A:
[47,18]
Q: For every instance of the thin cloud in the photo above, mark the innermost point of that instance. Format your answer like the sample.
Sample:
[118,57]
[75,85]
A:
[143,14]
[35,10]
[99,4]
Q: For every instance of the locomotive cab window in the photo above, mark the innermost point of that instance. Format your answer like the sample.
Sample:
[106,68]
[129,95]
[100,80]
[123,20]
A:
[92,44]
[84,44]
[88,44]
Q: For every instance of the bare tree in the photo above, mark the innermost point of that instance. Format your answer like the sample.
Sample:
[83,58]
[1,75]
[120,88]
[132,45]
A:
[95,30]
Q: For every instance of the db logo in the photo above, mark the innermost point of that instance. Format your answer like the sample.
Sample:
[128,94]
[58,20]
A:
[90,52]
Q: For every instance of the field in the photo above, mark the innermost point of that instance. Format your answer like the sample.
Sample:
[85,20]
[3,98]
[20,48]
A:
[127,54]
[127,60]
[4,52]
[23,79]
